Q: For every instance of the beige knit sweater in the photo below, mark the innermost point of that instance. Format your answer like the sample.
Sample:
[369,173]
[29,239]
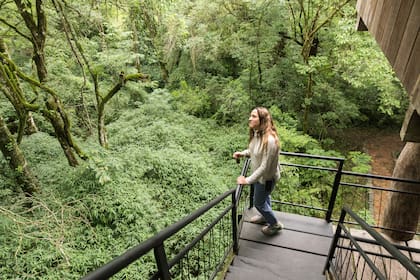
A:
[264,164]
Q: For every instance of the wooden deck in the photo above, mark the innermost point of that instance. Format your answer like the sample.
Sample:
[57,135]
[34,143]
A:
[299,251]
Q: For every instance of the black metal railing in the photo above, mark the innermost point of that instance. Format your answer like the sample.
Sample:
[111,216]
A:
[213,246]
[341,188]
[355,257]
[203,257]
[334,165]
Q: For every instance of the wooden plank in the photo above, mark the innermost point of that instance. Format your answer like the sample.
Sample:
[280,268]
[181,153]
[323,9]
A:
[369,13]
[360,8]
[412,73]
[378,14]
[393,6]
[415,95]
[408,52]
[398,31]
[382,20]
[240,273]
[306,224]
[360,5]
[412,70]
[290,239]
[298,222]
[282,262]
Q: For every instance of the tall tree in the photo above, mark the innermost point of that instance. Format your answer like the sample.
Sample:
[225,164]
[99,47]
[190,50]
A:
[308,17]
[151,13]
[102,100]
[35,21]
[84,62]
[17,162]
[51,109]
[403,210]
[13,91]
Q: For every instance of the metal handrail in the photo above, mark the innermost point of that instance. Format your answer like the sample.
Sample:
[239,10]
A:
[239,187]
[380,240]
[122,261]
[156,242]
[374,176]
[339,173]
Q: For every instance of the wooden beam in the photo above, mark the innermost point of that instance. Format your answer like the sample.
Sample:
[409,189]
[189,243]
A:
[410,130]
[386,21]
[391,51]
[378,14]
[390,18]
[409,50]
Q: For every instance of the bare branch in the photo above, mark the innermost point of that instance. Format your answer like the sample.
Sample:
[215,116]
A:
[16,30]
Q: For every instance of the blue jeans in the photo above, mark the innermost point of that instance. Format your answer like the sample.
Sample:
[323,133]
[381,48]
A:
[262,201]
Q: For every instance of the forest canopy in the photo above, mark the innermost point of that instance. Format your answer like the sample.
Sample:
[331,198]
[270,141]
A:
[113,112]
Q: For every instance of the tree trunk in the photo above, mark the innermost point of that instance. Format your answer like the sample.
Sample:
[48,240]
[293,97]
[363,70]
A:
[307,103]
[17,161]
[103,140]
[54,112]
[403,210]
[164,72]
[37,25]
[102,101]
[31,127]
[58,118]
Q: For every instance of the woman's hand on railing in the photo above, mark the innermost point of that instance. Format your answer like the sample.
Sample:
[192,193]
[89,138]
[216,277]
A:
[241,180]
[237,156]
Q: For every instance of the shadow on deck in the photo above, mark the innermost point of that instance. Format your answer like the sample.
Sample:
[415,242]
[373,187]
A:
[299,251]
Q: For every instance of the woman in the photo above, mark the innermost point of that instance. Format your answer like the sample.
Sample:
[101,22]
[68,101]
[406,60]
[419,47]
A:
[263,149]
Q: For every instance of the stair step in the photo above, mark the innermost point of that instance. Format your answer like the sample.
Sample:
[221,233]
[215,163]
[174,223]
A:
[286,238]
[285,262]
[298,252]
[298,222]
[257,264]
[241,273]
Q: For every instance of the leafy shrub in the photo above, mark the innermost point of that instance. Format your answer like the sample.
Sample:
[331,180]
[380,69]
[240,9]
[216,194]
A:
[160,166]
[233,103]
[191,100]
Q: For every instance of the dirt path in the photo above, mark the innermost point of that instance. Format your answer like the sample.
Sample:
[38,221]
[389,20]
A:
[384,148]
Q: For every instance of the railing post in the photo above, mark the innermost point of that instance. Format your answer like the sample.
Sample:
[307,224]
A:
[236,196]
[335,241]
[334,191]
[235,225]
[162,262]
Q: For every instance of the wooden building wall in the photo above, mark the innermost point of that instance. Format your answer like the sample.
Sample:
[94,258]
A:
[395,24]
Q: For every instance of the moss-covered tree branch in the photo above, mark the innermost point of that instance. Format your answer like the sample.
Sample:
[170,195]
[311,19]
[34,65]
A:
[17,161]
[102,101]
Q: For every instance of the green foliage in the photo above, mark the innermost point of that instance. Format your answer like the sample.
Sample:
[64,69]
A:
[171,152]
[191,100]
[161,166]
[362,65]
[233,103]
[360,162]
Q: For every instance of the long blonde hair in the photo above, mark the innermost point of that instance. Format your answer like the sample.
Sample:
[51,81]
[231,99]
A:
[266,127]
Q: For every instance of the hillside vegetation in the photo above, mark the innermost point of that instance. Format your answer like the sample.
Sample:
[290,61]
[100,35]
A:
[118,118]
[161,165]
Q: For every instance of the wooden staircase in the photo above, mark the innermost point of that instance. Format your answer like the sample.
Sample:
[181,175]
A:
[297,252]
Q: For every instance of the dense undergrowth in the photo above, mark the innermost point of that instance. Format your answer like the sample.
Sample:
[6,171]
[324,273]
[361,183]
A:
[161,165]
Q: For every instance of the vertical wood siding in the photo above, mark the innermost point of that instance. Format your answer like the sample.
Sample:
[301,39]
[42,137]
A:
[395,25]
